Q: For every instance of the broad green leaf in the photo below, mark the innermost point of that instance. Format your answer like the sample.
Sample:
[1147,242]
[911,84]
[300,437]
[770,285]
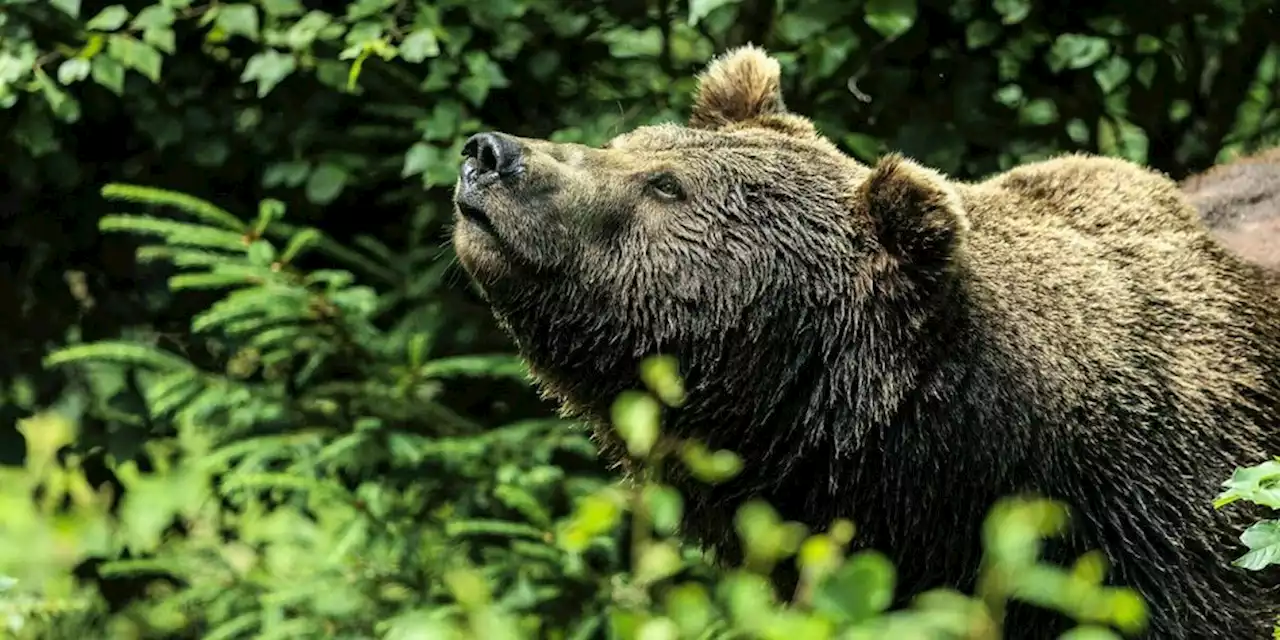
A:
[890,18]
[980,33]
[69,7]
[419,46]
[139,56]
[108,73]
[1112,73]
[625,42]
[861,588]
[1259,483]
[658,629]
[658,560]
[636,416]
[238,19]
[73,70]
[282,8]
[1038,112]
[1076,51]
[418,159]
[689,605]
[109,19]
[1090,632]
[155,16]
[666,507]
[699,9]
[1012,11]
[268,68]
[326,183]
[661,374]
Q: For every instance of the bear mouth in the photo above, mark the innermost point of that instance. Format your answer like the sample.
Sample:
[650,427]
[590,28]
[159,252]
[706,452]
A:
[476,216]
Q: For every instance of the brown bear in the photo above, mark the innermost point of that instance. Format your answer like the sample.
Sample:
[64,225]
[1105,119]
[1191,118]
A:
[895,347]
[1240,201]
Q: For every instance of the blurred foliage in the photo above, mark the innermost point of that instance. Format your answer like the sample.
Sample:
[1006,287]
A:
[306,425]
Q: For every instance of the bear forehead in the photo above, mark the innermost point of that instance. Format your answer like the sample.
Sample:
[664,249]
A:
[673,137]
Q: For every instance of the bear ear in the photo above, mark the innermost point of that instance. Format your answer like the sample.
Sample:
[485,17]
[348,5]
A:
[916,213]
[741,85]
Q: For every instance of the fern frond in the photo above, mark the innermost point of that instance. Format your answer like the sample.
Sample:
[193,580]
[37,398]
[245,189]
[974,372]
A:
[323,242]
[491,366]
[172,391]
[186,257]
[185,281]
[298,243]
[237,627]
[188,204]
[133,567]
[122,352]
[273,303]
[174,232]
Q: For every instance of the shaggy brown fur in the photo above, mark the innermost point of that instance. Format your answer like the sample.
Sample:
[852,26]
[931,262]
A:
[888,345]
[1240,200]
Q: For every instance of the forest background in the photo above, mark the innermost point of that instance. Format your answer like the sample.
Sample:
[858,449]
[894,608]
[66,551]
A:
[246,391]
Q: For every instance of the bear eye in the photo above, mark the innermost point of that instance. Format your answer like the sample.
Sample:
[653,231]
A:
[665,186]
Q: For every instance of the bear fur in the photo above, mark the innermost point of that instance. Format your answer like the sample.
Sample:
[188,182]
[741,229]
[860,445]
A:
[1240,201]
[895,347]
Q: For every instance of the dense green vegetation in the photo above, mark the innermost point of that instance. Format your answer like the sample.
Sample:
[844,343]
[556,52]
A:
[254,397]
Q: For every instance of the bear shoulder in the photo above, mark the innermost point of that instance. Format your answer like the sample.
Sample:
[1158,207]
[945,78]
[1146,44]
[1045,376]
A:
[1091,193]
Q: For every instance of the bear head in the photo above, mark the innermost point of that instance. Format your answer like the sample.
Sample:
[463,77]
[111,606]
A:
[745,244]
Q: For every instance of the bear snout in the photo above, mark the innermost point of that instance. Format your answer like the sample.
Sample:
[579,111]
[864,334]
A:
[489,158]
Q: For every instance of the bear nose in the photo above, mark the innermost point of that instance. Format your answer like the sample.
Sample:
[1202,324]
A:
[492,153]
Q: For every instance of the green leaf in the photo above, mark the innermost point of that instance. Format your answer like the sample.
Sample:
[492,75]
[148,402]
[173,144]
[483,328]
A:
[419,157]
[268,68]
[1078,131]
[1038,112]
[980,33]
[282,8]
[419,46]
[1090,632]
[712,468]
[1075,51]
[859,589]
[661,374]
[699,9]
[1259,484]
[73,70]
[139,56]
[326,183]
[1012,11]
[890,18]
[1112,73]
[690,607]
[69,7]
[1146,72]
[1009,95]
[636,416]
[156,16]
[658,560]
[625,42]
[109,19]
[108,73]
[666,507]
[238,19]
[1148,44]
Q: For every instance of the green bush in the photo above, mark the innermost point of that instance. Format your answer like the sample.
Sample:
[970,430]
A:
[295,498]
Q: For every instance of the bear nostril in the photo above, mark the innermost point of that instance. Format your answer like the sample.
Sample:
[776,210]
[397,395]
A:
[493,153]
[488,158]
